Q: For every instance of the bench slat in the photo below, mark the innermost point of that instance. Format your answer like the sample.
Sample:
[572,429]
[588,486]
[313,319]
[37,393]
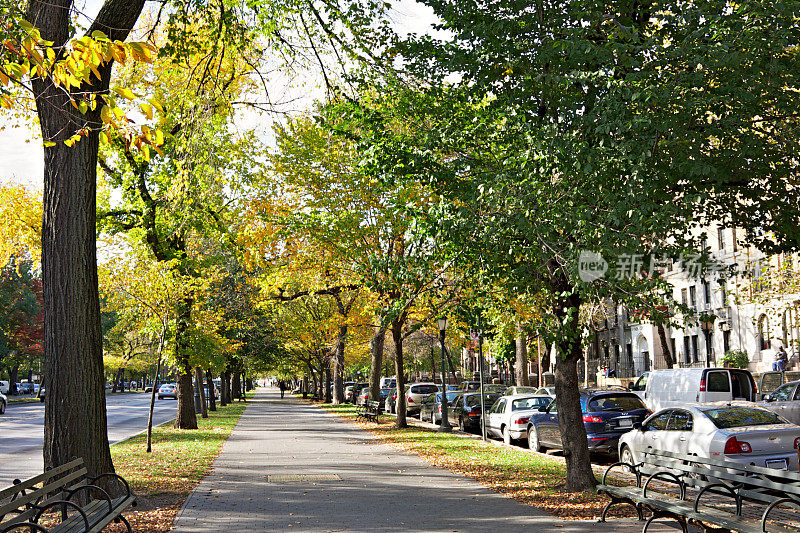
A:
[35,480]
[42,492]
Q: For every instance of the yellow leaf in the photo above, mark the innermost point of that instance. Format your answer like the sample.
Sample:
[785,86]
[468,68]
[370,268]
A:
[125,92]
[147,109]
[105,114]
[48,144]
[103,138]
[159,137]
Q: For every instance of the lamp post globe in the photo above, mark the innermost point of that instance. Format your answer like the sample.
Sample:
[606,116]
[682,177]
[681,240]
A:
[445,426]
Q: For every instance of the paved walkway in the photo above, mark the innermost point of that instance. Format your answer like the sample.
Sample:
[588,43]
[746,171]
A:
[289,466]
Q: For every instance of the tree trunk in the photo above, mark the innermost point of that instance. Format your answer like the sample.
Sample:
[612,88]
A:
[75,418]
[198,379]
[662,335]
[376,345]
[327,366]
[548,347]
[212,401]
[186,417]
[153,401]
[522,358]
[117,380]
[433,365]
[13,374]
[338,366]
[236,389]
[226,386]
[570,417]
[397,337]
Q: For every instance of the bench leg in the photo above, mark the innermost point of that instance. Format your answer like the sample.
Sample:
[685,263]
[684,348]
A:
[615,501]
[124,520]
[657,515]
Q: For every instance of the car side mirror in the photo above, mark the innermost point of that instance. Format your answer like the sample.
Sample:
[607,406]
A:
[638,425]
[768,398]
[630,385]
[543,409]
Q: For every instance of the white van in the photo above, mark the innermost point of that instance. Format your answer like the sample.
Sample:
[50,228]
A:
[666,388]
[388,383]
[4,387]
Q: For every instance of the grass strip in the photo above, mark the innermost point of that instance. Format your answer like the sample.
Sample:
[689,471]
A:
[530,478]
[164,478]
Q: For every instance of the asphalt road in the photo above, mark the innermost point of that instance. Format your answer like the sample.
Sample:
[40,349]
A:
[22,431]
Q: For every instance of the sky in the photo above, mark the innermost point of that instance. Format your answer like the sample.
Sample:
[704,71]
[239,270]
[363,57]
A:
[21,153]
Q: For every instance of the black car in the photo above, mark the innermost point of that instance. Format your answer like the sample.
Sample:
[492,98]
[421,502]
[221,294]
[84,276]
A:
[431,409]
[606,416]
[465,409]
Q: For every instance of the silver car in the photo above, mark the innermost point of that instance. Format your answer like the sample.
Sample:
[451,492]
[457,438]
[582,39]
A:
[785,401]
[737,433]
[3,403]
[508,417]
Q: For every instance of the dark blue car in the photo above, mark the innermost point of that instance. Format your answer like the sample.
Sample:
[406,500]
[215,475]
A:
[606,415]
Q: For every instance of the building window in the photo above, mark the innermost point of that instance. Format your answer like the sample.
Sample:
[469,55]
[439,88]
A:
[683,297]
[695,349]
[687,351]
[672,347]
[721,237]
[707,292]
[693,296]
[764,335]
[723,287]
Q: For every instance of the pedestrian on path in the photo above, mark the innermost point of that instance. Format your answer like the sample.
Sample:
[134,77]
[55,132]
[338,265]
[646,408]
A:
[282,387]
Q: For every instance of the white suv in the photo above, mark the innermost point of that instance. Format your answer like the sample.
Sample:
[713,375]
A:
[3,403]
[415,393]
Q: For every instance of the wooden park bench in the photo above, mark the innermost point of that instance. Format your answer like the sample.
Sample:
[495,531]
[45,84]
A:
[65,499]
[371,410]
[708,492]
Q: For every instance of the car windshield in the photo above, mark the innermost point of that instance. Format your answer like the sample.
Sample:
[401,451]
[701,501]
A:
[734,417]
[424,389]
[475,399]
[620,402]
[529,403]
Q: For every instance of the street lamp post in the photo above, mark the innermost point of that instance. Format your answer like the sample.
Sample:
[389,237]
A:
[445,426]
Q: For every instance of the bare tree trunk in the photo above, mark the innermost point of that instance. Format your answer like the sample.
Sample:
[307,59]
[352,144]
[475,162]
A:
[662,335]
[397,337]
[521,366]
[198,379]
[186,417]
[154,392]
[212,401]
[75,414]
[338,368]
[570,417]
[433,364]
[327,367]
[376,361]
[237,386]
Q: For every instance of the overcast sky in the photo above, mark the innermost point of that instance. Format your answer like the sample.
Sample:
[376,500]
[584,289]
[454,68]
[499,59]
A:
[21,155]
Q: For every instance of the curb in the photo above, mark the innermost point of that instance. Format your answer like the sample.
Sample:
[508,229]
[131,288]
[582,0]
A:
[129,437]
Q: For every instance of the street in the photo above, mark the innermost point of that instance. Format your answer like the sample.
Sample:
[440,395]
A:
[22,433]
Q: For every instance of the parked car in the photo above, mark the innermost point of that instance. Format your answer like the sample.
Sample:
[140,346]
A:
[388,383]
[470,385]
[363,395]
[168,390]
[493,387]
[465,409]
[25,387]
[356,391]
[509,416]
[550,391]
[768,382]
[431,406]
[784,401]
[4,387]
[3,403]
[679,386]
[606,416]
[738,433]
[515,389]
[41,394]
[415,392]
[638,387]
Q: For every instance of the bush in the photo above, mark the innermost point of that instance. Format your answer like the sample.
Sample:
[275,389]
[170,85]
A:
[736,359]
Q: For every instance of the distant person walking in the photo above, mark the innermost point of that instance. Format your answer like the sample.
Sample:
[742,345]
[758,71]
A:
[282,387]
[781,360]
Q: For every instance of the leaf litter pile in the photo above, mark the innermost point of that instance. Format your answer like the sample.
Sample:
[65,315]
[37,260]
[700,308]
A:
[530,478]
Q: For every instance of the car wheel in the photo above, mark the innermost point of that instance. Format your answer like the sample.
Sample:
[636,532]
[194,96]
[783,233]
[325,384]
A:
[506,435]
[626,455]
[2,407]
[461,425]
[533,439]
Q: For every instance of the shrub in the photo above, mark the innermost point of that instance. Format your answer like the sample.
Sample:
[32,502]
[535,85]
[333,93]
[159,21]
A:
[736,359]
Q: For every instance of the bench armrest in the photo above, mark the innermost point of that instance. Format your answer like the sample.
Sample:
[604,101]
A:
[634,469]
[671,477]
[94,479]
[63,503]
[106,497]
[772,506]
[719,485]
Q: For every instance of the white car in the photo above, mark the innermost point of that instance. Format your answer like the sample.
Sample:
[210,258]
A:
[415,392]
[550,391]
[737,433]
[508,417]
[3,403]
[517,389]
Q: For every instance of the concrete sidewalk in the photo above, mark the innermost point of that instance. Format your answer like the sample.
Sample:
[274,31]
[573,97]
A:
[290,466]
